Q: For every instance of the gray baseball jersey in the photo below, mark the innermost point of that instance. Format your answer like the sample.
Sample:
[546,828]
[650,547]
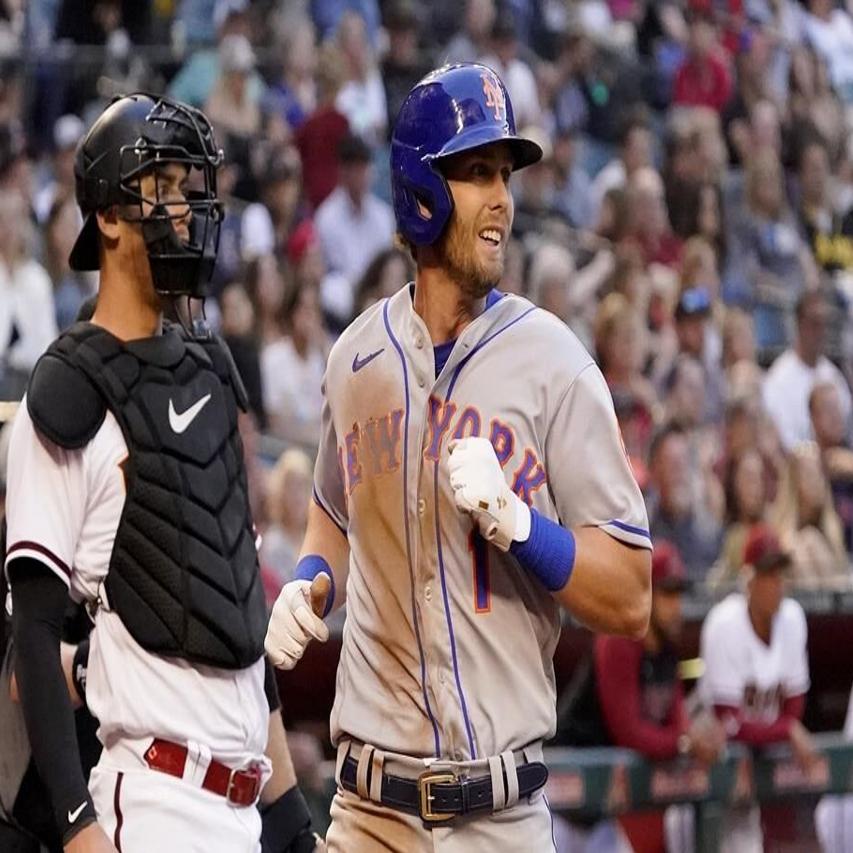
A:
[448,642]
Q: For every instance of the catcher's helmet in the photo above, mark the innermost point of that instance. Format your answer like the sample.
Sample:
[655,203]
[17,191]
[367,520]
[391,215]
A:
[453,109]
[133,135]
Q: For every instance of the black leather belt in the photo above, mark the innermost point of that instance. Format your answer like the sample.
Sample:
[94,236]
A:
[439,796]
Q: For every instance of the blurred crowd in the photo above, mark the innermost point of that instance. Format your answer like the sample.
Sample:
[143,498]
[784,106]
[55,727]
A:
[691,221]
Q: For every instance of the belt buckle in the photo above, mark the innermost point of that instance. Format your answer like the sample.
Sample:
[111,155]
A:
[425,796]
[255,773]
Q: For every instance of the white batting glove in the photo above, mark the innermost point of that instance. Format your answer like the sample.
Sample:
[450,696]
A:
[480,489]
[292,625]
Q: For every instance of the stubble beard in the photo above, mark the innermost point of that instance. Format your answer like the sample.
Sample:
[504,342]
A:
[459,259]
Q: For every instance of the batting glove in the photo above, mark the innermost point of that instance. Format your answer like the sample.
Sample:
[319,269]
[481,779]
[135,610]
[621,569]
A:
[480,489]
[292,625]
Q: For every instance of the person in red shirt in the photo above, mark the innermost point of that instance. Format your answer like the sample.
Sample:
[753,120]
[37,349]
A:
[641,695]
[703,79]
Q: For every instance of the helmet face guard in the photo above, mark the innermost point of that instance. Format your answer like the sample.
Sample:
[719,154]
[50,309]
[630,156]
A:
[142,135]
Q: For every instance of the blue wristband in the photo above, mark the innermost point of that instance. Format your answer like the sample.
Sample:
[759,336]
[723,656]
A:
[548,552]
[308,568]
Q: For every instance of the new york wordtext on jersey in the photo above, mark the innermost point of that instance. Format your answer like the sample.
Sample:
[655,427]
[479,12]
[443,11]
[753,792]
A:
[372,449]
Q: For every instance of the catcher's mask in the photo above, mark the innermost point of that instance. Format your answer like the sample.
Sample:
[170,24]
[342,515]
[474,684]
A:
[135,135]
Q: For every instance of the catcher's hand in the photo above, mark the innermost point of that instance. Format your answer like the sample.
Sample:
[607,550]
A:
[296,619]
[479,489]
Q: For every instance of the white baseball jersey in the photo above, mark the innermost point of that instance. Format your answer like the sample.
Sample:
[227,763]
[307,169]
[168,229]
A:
[63,510]
[448,642]
[744,672]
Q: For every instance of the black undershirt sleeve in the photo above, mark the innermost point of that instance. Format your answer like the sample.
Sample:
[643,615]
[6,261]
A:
[39,599]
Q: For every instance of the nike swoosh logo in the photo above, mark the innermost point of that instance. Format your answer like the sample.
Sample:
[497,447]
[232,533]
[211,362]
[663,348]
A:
[179,422]
[72,816]
[357,365]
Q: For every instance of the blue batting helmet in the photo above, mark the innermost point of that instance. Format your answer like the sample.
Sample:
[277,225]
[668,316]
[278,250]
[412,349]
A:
[453,109]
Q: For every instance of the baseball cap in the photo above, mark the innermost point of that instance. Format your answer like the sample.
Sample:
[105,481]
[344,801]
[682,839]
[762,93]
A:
[668,571]
[763,550]
[693,302]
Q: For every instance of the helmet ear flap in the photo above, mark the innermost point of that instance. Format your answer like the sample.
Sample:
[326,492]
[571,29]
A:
[422,199]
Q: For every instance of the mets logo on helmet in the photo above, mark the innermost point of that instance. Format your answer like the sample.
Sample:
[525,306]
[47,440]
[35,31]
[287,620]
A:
[494,93]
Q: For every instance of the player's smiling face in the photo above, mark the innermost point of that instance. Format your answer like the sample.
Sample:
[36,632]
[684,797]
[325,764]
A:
[473,247]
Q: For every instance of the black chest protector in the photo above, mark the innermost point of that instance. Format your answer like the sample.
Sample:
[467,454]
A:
[183,573]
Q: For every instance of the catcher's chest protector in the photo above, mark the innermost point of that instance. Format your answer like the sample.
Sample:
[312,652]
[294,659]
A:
[184,570]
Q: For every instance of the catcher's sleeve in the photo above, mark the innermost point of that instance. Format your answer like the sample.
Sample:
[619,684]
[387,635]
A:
[38,602]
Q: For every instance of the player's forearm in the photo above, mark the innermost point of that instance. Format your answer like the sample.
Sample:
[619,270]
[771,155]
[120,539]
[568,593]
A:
[38,606]
[283,775]
[324,538]
[609,589]
[759,733]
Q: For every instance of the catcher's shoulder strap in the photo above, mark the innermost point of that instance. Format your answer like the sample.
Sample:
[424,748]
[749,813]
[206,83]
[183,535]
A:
[62,402]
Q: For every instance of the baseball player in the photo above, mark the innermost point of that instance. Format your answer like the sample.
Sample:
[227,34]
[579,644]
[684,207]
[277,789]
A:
[470,481]
[756,669]
[127,488]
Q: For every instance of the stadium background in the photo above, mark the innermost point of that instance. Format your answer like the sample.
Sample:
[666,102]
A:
[697,182]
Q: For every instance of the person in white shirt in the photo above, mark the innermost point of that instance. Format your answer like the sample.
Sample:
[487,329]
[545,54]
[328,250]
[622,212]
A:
[797,370]
[27,317]
[292,370]
[754,648]
[353,225]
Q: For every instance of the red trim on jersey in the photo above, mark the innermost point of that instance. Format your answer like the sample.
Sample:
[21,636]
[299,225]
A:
[117,809]
[758,733]
[25,544]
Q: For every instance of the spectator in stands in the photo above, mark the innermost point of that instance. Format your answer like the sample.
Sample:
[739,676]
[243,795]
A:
[472,41]
[746,506]
[794,373]
[811,101]
[756,676]
[352,223]
[362,95]
[292,369]
[294,95]
[703,79]
[231,105]
[635,153]
[829,30]
[768,264]
[329,16]
[320,136]
[631,695]
[267,224]
[515,72]
[699,338]
[70,288]
[672,510]
[27,320]
[572,186]
[238,329]
[195,80]
[390,270]
[828,234]
[621,347]
[648,220]
[288,494]
[808,524]
[404,64]
[265,286]
[66,134]
[833,441]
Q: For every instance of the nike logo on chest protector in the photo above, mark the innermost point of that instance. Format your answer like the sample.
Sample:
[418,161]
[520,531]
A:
[180,422]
